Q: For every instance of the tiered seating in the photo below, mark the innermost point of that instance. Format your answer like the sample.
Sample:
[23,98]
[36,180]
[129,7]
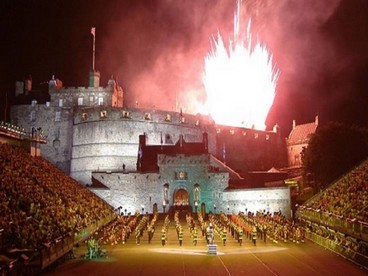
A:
[347,198]
[337,218]
[39,203]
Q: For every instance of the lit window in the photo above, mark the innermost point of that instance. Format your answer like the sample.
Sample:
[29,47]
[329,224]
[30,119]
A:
[103,114]
[80,101]
[100,101]
[61,102]
[126,114]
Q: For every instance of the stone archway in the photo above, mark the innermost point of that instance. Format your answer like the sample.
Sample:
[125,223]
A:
[181,197]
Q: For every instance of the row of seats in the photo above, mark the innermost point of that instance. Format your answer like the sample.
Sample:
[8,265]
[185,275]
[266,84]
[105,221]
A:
[39,204]
[346,198]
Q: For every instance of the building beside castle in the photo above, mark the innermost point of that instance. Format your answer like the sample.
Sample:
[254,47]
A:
[298,140]
[147,159]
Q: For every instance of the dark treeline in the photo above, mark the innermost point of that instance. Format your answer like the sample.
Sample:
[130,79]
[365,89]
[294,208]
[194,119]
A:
[333,150]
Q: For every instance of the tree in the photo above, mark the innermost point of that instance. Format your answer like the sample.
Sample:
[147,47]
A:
[333,150]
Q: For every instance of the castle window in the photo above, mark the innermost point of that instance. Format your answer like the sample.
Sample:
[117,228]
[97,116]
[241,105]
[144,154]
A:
[181,175]
[218,130]
[166,194]
[147,116]
[255,135]
[61,102]
[80,101]
[57,116]
[168,139]
[168,118]
[100,101]
[84,116]
[33,116]
[126,114]
[232,131]
[103,114]
[267,137]
[91,98]
[197,123]
[244,133]
[182,120]
[196,193]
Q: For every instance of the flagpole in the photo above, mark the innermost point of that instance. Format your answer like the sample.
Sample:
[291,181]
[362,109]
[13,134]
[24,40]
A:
[93,32]
[94,50]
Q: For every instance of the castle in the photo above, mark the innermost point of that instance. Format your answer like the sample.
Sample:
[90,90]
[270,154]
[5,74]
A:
[194,163]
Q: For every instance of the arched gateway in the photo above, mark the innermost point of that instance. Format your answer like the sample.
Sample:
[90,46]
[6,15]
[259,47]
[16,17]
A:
[181,197]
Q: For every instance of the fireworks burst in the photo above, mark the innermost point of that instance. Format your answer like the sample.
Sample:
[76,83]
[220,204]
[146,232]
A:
[240,79]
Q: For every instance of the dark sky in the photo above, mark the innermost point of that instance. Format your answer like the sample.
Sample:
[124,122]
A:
[156,50]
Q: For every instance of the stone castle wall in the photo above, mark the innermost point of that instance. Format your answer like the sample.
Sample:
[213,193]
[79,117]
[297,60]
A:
[133,191]
[261,199]
[250,149]
[56,123]
[105,143]
[69,96]
[85,139]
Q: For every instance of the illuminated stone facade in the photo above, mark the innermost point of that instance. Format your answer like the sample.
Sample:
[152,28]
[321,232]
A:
[204,190]
[91,133]
[298,140]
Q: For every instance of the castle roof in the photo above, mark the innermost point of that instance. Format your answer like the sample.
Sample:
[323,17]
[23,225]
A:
[147,156]
[301,134]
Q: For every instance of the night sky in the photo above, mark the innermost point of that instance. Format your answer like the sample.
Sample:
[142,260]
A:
[156,49]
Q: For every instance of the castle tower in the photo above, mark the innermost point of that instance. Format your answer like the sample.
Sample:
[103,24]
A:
[94,78]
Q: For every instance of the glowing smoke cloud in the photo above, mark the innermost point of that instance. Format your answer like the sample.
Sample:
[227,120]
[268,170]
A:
[240,81]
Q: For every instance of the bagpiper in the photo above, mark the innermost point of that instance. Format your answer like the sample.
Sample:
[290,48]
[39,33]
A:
[163,237]
[180,236]
[240,239]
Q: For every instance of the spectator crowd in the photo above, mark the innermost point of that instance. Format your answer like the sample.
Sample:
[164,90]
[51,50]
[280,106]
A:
[39,204]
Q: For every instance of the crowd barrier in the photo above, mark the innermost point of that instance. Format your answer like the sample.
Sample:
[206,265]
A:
[52,252]
[351,227]
[343,251]
[83,234]
[48,255]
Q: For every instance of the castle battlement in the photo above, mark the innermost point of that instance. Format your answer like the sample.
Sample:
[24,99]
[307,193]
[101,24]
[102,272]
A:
[76,89]
[228,132]
[102,113]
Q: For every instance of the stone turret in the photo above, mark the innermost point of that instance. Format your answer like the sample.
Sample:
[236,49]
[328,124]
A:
[94,78]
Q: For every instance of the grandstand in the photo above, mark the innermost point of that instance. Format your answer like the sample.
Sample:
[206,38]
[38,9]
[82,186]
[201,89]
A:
[337,217]
[44,211]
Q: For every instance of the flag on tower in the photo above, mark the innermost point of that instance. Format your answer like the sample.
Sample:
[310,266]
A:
[93,31]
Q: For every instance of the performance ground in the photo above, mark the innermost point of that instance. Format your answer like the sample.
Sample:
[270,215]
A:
[264,258]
